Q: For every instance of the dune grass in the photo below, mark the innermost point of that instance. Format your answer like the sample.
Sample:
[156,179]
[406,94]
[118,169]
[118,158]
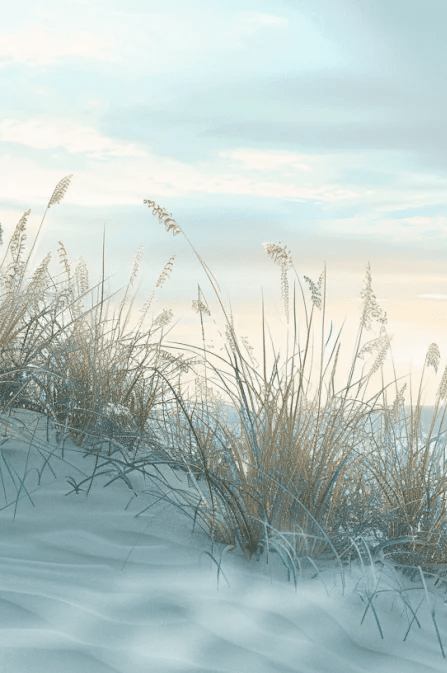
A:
[320,478]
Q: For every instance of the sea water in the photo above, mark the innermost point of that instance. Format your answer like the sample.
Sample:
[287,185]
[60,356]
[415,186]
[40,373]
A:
[231,419]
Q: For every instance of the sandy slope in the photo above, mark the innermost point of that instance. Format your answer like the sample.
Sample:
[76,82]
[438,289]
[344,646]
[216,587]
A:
[67,605]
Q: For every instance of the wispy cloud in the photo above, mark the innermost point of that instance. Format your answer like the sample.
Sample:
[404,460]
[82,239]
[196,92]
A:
[258,160]
[41,46]
[433,296]
[45,134]
[122,182]
[403,230]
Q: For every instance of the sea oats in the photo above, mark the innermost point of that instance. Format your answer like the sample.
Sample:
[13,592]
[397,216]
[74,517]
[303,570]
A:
[64,260]
[200,307]
[398,402]
[136,264]
[81,274]
[368,348]
[383,344]
[161,279]
[56,197]
[442,390]
[231,335]
[82,285]
[18,238]
[433,357]
[169,223]
[285,292]
[15,270]
[166,271]
[41,272]
[164,318]
[68,293]
[316,291]
[38,286]
[280,255]
[59,191]
[371,309]
[380,343]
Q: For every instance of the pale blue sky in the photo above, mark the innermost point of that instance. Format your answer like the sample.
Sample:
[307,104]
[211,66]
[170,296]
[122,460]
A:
[317,123]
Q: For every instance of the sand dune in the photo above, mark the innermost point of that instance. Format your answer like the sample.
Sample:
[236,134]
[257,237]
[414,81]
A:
[68,604]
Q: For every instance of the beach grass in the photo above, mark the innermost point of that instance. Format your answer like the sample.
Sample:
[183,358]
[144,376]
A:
[319,477]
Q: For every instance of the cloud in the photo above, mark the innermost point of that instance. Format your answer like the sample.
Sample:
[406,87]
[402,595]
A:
[123,180]
[267,160]
[433,296]
[37,46]
[42,134]
[400,230]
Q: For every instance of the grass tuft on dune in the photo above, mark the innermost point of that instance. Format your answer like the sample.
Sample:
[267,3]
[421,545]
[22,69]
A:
[319,478]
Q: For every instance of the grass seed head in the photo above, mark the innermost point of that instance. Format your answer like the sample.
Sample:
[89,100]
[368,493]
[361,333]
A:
[371,309]
[164,217]
[433,357]
[59,191]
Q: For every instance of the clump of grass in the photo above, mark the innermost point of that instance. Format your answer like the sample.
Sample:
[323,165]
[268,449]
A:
[89,379]
[306,444]
[312,469]
[412,477]
[108,392]
[24,326]
[306,474]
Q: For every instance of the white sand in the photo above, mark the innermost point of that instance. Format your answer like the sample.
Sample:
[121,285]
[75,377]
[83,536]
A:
[66,606]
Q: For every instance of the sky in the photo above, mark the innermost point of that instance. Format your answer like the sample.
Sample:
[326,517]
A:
[317,124]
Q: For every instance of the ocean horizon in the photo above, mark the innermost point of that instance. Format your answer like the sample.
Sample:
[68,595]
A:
[426,416]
